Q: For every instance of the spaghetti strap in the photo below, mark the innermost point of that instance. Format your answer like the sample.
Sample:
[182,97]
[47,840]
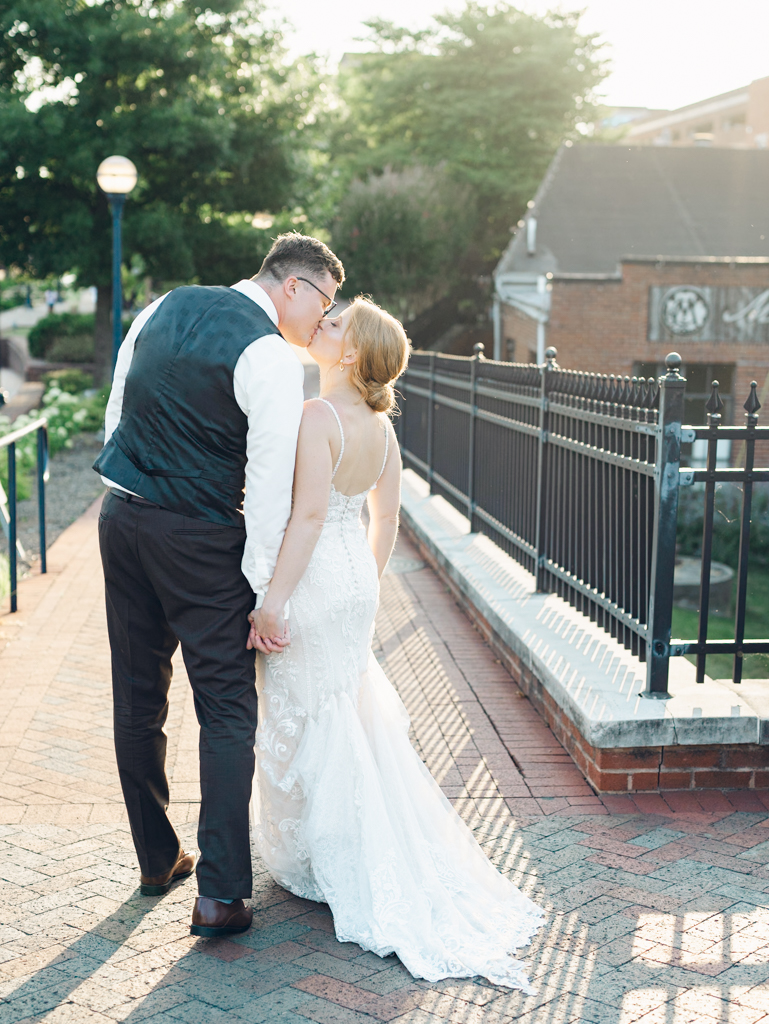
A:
[341,433]
[384,460]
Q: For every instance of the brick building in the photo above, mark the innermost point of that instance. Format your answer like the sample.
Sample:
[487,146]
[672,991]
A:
[628,253]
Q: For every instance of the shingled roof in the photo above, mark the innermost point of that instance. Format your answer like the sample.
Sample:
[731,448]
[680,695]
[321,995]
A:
[598,204]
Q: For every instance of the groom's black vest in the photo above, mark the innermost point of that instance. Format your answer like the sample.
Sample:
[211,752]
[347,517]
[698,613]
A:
[181,441]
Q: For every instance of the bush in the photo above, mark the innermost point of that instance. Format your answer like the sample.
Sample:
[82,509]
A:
[65,337]
[75,348]
[726,523]
[67,414]
[72,381]
[11,295]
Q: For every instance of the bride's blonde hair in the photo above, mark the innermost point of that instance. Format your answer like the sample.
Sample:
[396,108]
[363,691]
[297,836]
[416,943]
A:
[383,352]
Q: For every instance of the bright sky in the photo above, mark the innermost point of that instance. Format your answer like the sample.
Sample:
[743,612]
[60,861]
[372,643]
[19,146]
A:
[665,53]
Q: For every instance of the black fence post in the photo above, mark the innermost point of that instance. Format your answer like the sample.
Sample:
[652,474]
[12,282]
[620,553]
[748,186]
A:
[543,498]
[430,422]
[714,406]
[477,357]
[12,523]
[666,485]
[751,408]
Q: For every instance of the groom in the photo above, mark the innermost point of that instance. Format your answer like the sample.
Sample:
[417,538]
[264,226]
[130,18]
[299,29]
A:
[205,402]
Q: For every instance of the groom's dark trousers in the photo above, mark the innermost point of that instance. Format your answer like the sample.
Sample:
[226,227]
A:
[174,580]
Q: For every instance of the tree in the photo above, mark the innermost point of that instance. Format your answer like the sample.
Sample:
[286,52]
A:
[399,232]
[199,97]
[488,94]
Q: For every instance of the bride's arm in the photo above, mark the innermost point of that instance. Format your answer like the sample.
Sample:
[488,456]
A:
[384,503]
[312,483]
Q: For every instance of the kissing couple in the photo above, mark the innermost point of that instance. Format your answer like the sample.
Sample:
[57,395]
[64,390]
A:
[232,527]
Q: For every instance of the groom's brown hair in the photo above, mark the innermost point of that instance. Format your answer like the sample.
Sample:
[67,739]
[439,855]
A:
[293,253]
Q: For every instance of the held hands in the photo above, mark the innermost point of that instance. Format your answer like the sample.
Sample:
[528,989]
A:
[269,632]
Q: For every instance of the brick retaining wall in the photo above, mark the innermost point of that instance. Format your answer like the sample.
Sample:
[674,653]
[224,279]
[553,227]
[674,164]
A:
[619,769]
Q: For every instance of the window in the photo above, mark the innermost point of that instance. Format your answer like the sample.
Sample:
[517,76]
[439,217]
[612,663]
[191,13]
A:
[734,121]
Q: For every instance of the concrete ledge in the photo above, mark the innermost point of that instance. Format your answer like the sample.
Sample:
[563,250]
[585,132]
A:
[574,671]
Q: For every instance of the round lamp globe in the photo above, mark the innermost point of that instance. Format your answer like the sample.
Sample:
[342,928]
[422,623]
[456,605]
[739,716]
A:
[116,175]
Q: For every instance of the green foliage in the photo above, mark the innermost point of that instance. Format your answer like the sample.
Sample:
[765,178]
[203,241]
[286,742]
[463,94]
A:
[726,539]
[72,381]
[719,666]
[490,92]
[12,294]
[63,337]
[726,523]
[398,234]
[67,414]
[200,98]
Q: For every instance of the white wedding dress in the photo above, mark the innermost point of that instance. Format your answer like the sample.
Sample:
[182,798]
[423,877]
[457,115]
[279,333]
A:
[345,811]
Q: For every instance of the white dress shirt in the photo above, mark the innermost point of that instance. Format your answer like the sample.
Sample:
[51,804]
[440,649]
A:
[268,385]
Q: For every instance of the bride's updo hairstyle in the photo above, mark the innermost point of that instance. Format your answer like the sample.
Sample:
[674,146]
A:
[383,352]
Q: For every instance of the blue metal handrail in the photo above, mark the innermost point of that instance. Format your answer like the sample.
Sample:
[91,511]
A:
[9,442]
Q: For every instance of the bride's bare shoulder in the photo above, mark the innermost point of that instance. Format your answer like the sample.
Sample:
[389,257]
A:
[316,415]
[316,407]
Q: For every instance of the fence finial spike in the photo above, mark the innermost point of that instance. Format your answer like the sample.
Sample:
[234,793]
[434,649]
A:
[715,403]
[752,405]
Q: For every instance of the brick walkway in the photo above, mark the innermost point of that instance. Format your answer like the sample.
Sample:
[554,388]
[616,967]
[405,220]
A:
[656,912]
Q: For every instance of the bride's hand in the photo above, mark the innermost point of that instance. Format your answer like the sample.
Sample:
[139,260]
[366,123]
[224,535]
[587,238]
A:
[269,631]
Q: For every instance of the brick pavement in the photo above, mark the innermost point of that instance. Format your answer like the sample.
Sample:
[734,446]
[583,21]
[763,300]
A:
[657,912]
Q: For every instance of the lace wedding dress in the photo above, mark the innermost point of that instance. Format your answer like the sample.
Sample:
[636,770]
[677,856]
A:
[345,811]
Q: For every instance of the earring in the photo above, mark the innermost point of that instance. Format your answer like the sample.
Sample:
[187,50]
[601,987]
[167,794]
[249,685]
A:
[341,365]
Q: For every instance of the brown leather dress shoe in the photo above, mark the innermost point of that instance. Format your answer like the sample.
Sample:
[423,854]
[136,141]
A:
[156,885]
[210,918]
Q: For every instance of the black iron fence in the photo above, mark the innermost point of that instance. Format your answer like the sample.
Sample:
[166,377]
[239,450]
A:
[8,503]
[577,476]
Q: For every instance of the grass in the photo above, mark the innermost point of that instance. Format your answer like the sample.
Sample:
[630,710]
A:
[719,666]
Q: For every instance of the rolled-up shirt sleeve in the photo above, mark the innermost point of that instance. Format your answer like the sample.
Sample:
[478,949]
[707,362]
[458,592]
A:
[268,385]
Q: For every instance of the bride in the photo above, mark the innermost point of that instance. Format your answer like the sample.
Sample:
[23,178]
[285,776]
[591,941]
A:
[346,812]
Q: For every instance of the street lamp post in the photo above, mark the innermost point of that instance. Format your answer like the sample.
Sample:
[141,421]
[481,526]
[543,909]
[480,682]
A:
[116,177]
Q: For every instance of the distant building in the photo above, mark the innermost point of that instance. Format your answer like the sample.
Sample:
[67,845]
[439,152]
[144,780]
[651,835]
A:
[621,117]
[628,253]
[737,120]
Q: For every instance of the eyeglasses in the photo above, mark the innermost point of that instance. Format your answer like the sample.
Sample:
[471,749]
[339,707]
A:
[331,302]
